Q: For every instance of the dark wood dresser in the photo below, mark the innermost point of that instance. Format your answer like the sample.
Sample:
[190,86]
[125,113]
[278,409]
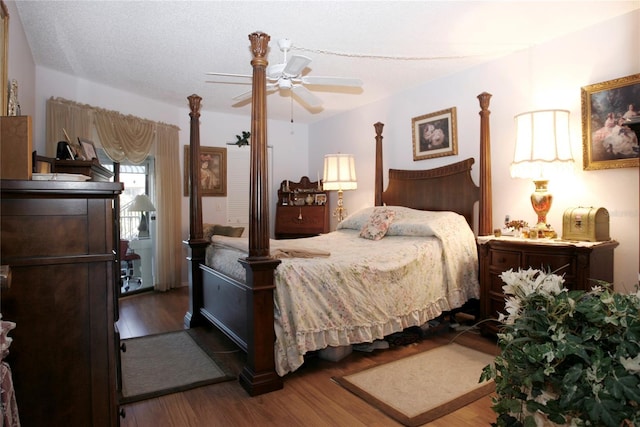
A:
[302,211]
[58,239]
[579,262]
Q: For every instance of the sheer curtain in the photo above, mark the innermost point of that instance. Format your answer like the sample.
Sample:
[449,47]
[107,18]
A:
[128,137]
[168,221]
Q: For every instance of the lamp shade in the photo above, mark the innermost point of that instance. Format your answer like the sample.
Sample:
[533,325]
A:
[339,172]
[543,148]
[142,203]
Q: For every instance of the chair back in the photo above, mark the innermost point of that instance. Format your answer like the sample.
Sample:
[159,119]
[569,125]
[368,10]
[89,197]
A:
[124,247]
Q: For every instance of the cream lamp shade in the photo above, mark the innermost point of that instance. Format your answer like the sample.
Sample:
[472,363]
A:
[339,174]
[142,204]
[543,151]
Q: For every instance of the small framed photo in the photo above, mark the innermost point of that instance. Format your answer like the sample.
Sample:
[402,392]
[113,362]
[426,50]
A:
[213,171]
[607,110]
[88,149]
[434,135]
[321,199]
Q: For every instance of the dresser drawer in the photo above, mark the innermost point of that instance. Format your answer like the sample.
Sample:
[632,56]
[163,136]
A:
[301,220]
[504,260]
[557,263]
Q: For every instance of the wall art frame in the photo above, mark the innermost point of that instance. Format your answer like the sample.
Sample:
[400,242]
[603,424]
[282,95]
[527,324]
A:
[607,140]
[435,135]
[88,149]
[213,171]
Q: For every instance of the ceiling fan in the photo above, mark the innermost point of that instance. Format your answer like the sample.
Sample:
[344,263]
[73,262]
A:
[288,76]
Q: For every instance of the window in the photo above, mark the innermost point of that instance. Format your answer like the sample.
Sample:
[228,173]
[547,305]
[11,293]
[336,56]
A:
[137,179]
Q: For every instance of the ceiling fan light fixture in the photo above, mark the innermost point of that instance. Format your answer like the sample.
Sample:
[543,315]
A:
[284,83]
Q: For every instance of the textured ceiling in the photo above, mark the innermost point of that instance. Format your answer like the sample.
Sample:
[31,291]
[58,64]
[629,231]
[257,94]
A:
[162,49]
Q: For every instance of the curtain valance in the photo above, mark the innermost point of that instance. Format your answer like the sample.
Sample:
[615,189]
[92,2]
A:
[122,137]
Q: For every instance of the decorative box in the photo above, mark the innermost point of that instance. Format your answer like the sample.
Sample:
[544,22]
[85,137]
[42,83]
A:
[587,224]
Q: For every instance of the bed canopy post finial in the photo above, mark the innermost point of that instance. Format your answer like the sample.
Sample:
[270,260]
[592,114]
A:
[259,375]
[485,226]
[379,171]
[196,243]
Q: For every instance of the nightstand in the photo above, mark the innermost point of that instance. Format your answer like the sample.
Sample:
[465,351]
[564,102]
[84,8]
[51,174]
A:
[580,262]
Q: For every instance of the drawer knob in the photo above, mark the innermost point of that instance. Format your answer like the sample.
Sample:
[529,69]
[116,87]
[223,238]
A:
[123,347]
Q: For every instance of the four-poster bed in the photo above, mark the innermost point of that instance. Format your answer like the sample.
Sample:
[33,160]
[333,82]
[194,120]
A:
[244,309]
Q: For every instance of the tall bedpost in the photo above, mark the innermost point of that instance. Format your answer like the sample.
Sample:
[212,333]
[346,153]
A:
[259,375]
[485,226]
[379,171]
[196,244]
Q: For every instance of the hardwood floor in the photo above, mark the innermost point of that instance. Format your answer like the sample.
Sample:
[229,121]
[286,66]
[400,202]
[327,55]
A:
[309,397]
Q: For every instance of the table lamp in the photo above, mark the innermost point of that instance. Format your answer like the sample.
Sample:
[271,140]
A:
[339,174]
[142,204]
[543,151]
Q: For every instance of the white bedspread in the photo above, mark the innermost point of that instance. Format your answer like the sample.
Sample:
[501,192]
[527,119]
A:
[365,289]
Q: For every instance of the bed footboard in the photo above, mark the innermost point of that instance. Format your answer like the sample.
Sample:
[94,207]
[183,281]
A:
[225,305]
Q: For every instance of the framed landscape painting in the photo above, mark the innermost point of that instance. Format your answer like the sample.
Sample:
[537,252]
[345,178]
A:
[609,111]
[213,171]
[434,135]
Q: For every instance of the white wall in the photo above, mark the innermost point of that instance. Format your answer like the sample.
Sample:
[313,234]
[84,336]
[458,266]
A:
[544,76]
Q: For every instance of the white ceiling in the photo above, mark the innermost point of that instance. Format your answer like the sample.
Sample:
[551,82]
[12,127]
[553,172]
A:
[162,49]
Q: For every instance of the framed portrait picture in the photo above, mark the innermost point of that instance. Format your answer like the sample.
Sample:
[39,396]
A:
[434,135]
[321,199]
[607,110]
[213,171]
[88,150]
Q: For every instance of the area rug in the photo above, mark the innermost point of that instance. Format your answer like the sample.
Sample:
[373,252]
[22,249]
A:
[421,388]
[156,365]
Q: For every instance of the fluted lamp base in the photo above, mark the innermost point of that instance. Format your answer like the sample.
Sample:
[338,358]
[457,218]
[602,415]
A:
[541,201]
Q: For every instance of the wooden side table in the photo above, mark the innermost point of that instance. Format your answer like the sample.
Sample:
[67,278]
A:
[581,263]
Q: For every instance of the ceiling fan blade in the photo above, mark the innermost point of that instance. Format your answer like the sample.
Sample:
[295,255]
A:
[306,96]
[331,81]
[247,95]
[296,64]
[228,74]
[243,96]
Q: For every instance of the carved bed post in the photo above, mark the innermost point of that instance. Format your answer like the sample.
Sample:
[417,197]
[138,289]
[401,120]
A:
[196,244]
[258,375]
[485,226]
[379,186]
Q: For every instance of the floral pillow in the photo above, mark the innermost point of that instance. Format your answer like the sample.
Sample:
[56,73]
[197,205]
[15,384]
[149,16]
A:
[378,224]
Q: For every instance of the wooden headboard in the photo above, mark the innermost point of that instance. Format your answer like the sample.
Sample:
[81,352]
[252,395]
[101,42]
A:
[448,188]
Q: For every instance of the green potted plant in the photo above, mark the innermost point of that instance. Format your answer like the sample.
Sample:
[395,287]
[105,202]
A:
[567,357]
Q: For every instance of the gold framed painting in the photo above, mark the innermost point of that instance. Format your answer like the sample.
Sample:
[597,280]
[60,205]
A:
[213,171]
[607,109]
[435,135]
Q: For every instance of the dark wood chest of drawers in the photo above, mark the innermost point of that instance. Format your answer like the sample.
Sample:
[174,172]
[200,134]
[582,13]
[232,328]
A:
[303,209]
[59,240]
[301,221]
[580,264]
